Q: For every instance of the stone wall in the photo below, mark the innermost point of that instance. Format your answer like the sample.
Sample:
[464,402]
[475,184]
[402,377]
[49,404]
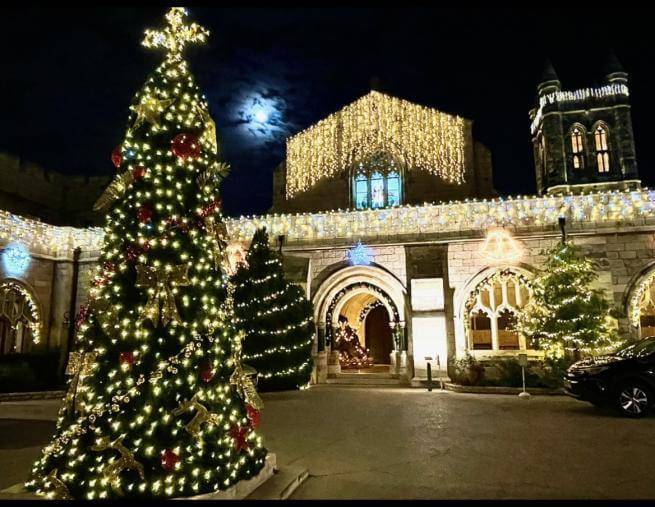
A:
[32,191]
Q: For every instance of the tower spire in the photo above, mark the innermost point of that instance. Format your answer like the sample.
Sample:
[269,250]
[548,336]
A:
[549,80]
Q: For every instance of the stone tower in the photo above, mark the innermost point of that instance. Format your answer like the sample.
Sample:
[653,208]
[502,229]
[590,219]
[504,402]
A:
[583,138]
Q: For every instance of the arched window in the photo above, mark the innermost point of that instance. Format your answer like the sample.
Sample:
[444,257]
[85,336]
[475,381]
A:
[601,141]
[492,310]
[576,136]
[19,319]
[644,311]
[377,184]
[480,331]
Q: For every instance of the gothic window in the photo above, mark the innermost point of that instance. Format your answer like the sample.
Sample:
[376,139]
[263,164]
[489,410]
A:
[646,309]
[493,308]
[361,191]
[377,184]
[480,331]
[577,147]
[19,319]
[601,141]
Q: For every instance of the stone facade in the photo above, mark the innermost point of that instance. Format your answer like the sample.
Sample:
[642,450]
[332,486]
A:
[424,262]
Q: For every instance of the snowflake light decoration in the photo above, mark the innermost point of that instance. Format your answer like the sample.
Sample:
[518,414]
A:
[16,259]
[360,255]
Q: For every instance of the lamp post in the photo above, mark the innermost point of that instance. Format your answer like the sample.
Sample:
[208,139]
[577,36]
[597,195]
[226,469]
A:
[562,226]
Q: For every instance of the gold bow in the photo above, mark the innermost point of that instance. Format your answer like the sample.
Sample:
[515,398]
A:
[244,385]
[161,299]
[80,365]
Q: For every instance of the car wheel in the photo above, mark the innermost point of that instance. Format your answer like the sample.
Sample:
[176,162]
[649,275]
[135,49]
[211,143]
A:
[634,399]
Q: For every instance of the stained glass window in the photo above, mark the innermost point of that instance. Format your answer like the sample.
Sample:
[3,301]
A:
[577,147]
[377,190]
[377,184]
[361,191]
[393,189]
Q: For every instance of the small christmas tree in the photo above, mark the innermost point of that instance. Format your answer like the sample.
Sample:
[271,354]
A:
[159,404]
[276,317]
[564,314]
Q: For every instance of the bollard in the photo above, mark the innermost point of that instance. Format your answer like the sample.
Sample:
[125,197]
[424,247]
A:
[428,359]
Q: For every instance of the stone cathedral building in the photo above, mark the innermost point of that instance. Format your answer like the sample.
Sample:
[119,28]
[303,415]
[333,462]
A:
[386,214]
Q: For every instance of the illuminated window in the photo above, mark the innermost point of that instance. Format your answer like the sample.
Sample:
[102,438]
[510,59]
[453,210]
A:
[377,190]
[19,319]
[647,310]
[480,331]
[492,310]
[602,149]
[577,147]
[361,191]
[377,184]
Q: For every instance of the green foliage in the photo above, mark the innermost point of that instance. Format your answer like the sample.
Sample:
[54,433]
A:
[564,312]
[466,371]
[276,317]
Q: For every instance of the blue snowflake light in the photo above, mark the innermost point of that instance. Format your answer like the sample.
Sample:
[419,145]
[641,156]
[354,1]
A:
[16,259]
[360,255]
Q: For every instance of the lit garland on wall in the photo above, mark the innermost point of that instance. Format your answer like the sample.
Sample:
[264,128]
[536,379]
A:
[619,207]
[576,95]
[422,137]
[32,315]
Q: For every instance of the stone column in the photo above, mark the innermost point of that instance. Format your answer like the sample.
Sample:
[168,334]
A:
[334,368]
[321,358]
[405,369]
[394,367]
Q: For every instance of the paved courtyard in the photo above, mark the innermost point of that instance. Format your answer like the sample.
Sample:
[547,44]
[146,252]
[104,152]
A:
[408,443]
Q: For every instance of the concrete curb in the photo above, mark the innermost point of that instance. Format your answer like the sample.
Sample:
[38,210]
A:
[501,390]
[32,395]
[282,485]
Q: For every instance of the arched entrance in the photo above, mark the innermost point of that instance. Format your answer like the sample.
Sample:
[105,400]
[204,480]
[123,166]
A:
[361,320]
[361,306]
[379,334]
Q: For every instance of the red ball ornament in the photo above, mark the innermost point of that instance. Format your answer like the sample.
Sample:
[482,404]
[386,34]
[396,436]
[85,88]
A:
[144,214]
[206,372]
[139,172]
[117,156]
[126,358]
[185,146]
[254,416]
[169,459]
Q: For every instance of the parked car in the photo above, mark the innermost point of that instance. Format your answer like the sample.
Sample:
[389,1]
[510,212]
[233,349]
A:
[624,380]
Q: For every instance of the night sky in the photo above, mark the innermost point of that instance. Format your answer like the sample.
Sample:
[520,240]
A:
[68,76]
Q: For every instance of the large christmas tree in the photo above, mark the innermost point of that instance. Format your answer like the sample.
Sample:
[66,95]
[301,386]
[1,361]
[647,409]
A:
[276,318]
[565,315]
[159,405]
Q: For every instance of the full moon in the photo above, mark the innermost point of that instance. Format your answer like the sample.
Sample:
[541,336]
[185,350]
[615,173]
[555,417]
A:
[261,116]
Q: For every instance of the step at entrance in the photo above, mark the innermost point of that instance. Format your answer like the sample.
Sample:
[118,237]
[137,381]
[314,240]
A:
[364,377]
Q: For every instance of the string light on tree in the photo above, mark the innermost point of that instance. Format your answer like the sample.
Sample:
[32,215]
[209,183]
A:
[159,331]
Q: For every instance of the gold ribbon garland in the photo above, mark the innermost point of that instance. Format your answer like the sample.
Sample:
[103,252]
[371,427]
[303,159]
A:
[80,365]
[160,281]
[244,385]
